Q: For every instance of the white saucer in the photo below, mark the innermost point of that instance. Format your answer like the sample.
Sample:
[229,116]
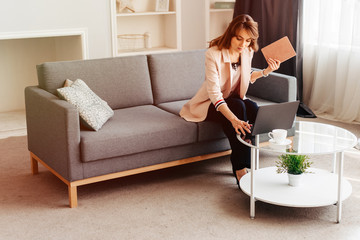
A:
[285,142]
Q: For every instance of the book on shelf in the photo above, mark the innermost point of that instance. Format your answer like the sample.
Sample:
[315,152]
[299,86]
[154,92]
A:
[224,5]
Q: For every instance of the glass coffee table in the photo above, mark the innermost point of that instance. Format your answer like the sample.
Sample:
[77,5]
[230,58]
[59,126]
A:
[319,188]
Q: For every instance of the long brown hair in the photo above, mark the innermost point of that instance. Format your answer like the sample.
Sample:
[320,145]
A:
[242,21]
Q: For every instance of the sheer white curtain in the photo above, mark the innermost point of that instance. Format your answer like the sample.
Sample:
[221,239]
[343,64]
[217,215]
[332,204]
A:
[331,63]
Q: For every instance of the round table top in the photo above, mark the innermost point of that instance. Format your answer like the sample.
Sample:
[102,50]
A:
[311,138]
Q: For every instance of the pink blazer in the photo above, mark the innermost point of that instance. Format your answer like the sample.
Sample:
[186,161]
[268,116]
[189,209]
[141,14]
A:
[218,83]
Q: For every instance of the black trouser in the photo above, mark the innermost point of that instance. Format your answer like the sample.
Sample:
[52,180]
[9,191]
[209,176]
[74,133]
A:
[245,110]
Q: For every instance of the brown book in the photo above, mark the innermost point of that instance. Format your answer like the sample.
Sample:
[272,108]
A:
[280,49]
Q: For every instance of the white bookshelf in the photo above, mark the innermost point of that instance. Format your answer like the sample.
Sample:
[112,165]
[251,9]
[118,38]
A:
[216,20]
[128,29]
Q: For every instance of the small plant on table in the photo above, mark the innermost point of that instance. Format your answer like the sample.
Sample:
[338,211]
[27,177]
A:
[294,165]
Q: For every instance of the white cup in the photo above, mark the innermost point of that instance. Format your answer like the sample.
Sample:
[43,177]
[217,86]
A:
[278,135]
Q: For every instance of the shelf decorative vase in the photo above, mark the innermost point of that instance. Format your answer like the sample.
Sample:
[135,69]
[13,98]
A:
[295,179]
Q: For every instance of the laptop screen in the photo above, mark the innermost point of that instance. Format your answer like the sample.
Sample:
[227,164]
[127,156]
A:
[275,116]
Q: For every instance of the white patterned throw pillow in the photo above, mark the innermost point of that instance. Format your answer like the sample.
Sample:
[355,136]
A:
[94,111]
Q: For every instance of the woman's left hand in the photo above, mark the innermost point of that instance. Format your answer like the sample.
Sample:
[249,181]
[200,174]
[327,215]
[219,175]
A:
[273,64]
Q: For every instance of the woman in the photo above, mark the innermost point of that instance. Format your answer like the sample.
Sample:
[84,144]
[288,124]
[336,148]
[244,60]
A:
[222,97]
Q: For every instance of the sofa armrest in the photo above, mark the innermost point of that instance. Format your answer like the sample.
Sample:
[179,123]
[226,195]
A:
[53,132]
[276,87]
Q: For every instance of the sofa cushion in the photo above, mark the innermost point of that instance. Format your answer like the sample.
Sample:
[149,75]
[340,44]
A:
[173,107]
[136,129]
[121,82]
[206,130]
[176,76]
[93,111]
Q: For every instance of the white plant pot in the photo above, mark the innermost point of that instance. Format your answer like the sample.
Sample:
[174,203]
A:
[295,179]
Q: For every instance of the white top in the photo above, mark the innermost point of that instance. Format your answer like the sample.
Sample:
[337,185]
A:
[236,78]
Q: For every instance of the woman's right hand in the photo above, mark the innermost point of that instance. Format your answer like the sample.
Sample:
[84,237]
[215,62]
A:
[241,126]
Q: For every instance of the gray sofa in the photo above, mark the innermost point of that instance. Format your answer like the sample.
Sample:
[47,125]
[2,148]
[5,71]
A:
[146,132]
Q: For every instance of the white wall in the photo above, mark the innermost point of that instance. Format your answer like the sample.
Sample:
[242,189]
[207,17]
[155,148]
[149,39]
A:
[18,16]
[34,15]
[200,24]
[18,60]
[94,15]
[193,24]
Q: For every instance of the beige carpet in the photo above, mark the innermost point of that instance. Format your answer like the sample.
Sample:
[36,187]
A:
[195,201]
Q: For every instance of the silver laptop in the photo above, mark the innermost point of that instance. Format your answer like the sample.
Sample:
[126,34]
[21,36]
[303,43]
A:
[274,116]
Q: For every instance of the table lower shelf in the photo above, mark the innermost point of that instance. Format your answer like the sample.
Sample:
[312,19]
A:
[318,188]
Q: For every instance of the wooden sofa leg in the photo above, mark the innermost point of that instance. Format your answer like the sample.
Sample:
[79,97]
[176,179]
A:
[34,165]
[72,196]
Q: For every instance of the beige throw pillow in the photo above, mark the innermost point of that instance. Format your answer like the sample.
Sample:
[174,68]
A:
[94,112]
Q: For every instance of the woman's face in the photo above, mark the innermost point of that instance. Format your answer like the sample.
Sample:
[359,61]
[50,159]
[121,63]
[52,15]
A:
[241,41]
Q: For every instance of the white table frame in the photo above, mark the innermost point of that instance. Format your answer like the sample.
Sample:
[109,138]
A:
[338,159]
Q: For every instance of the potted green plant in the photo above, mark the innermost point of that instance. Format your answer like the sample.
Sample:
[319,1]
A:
[294,166]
